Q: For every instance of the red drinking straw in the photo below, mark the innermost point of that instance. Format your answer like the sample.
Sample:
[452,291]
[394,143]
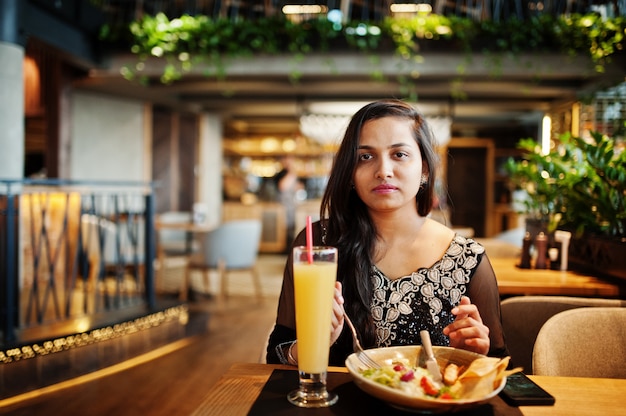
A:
[309,239]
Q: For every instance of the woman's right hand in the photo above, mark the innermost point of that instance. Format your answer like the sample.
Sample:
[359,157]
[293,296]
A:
[337,316]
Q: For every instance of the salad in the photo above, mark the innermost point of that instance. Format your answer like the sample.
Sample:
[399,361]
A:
[416,381]
[474,381]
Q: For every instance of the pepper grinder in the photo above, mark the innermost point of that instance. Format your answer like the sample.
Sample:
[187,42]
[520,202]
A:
[526,243]
[541,244]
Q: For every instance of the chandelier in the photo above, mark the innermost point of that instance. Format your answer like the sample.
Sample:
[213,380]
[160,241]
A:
[325,129]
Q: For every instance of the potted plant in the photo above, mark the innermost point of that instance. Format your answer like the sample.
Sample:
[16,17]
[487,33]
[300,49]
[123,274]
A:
[580,186]
[539,177]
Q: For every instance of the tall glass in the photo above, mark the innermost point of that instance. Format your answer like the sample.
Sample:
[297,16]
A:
[314,275]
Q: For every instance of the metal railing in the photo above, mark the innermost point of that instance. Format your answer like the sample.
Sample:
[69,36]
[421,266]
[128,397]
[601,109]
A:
[73,249]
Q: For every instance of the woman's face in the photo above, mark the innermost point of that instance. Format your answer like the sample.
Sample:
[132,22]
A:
[389,167]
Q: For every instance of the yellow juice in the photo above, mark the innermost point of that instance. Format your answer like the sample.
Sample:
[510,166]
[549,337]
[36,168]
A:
[314,288]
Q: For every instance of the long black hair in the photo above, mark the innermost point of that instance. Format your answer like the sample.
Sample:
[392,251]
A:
[346,219]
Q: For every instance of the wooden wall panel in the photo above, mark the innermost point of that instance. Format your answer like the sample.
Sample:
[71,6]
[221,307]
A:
[175,153]
[187,160]
[161,157]
[469,176]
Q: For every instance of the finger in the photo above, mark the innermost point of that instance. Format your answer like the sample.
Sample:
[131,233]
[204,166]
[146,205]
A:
[458,324]
[338,295]
[466,309]
[337,321]
[338,302]
[471,329]
[458,310]
[468,321]
[462,309]
[477,345]
[475,338]
[337,315]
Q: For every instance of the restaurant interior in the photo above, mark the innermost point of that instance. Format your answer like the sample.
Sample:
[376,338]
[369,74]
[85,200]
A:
[143,238]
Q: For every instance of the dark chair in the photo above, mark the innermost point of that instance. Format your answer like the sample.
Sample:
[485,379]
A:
[523,317]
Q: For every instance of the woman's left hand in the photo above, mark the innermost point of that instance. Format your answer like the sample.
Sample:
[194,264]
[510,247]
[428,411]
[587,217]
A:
[337,316]
[468,331]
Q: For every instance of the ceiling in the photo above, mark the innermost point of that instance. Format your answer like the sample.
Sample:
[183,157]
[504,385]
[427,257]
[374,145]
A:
[509,93]
[257,97]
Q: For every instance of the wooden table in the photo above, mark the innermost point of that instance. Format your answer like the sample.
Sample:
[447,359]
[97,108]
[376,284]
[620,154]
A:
[515,281]
[190,227]
[235,393]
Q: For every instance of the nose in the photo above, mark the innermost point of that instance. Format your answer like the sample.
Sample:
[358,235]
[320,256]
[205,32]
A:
[384,169]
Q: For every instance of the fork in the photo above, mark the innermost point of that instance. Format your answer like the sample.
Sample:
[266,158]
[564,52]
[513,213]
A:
[360,353]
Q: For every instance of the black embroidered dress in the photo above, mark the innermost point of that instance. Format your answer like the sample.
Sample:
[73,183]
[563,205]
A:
[401,308]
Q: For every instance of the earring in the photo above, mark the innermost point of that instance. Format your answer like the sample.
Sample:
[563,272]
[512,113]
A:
[424,179]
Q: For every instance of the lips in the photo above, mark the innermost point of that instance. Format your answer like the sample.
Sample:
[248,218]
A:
[384,188]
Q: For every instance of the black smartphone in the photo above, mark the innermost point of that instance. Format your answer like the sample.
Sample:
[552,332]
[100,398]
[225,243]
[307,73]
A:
[522,391]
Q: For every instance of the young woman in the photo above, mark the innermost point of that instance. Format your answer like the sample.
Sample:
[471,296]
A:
[399,271]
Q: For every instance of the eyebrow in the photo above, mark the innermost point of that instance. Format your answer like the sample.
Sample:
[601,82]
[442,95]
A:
[393,146]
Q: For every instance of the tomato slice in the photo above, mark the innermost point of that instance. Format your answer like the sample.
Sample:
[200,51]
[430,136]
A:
[429,387]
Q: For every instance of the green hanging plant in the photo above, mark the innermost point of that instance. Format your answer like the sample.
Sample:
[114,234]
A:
[187,40]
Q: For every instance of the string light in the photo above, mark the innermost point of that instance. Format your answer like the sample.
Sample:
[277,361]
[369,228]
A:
[180,312]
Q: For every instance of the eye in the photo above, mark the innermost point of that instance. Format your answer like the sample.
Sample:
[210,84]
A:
[400,155]
[365,156]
